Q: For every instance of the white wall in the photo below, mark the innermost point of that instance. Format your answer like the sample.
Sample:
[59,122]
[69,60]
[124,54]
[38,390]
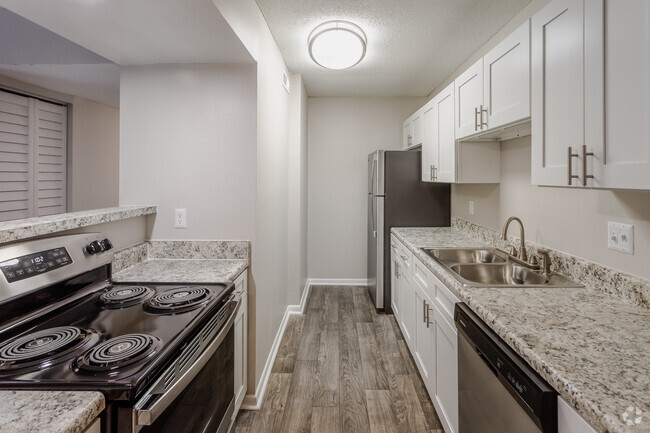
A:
[187,140]
[566,219]
[93,147]
[342,132]
[94,157]
[298,164]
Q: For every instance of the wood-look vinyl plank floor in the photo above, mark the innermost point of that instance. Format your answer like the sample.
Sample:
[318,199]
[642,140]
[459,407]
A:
[342,368]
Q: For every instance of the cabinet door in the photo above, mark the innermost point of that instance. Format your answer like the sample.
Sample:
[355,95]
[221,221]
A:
[429,149]
[408,133]
[566,90]
[394,283]
[417,128]
[506,74]
[241,351]
[407,314]
[425,337]
[445,138]
[447,373]
[624,159]
[469,101]
[570,421]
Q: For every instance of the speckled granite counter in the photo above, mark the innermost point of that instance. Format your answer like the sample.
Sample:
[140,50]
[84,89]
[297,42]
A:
[182,271]
[48,411]
[39,226]
[592,347]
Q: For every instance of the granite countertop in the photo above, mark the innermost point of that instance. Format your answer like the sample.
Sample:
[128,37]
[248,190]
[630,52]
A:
[48,411]
[38,226]
[183,271]
[589,345]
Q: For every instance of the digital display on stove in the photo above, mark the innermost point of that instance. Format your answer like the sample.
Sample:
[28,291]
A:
[35,264]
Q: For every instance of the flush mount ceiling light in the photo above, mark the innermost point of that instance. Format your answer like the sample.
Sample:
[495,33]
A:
[337,44]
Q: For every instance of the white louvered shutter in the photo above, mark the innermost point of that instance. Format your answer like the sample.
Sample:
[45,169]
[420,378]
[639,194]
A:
[15,157]
[50,159]
[33,144]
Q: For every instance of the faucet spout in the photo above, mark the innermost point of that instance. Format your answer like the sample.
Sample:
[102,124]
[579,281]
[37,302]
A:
[522,247]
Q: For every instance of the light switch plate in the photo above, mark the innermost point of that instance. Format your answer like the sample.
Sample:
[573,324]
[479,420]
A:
[626,238]
[613,234]
[620,237]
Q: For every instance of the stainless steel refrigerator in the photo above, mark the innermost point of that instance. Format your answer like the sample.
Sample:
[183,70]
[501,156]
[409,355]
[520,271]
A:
[398,198]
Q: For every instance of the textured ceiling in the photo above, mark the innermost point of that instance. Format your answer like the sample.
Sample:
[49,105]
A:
[413,45]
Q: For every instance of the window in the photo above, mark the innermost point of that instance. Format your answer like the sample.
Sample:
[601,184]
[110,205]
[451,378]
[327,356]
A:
[33,143]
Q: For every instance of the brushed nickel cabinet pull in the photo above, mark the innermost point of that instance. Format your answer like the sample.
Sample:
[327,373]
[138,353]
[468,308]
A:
[431,172]
[396,269]
[476,119]
[429,322]
[435,173]
[424,311]
[585,154]
[483,110]
[570,164]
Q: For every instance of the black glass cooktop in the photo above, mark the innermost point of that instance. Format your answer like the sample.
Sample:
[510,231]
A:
[113,339]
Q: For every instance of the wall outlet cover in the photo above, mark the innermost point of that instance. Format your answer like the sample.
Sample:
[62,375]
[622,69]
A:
[626,238]
[613,234]
[471,207]
[180,218]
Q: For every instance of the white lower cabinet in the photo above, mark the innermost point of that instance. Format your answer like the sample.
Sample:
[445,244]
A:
[570,421]
[425,337]
[241,340]
[425,316]
[394,284]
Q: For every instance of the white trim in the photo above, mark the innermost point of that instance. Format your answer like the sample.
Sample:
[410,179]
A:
[337,282]
[254,401]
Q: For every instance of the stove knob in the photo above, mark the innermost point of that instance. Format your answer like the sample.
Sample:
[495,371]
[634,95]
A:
[106,244]
[94,247]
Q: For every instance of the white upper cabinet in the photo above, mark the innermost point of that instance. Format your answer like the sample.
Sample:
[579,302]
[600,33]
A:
[506,79]
[429,151]
[622,159]
[470,113]
[567,89]
[417,128]
[444,138]
[408,133]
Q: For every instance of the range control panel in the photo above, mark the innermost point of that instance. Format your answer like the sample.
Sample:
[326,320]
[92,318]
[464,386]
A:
[35,264]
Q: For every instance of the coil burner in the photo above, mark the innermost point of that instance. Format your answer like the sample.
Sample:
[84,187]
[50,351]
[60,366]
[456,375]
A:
[118,352]
[180,300]
[43,348]
[125,296]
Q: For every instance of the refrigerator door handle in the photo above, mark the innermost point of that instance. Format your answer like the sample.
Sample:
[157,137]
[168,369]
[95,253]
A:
[372,177]
[372,216]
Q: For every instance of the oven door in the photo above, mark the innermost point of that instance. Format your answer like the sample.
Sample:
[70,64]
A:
[196,393]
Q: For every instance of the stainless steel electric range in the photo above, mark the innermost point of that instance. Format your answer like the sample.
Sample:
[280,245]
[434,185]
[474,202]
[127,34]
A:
[162,354]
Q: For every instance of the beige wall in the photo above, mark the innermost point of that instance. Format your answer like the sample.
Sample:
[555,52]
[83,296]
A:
[567,219]
[342,132]
[95,154]
[93,147]
[297,224]
[187,141]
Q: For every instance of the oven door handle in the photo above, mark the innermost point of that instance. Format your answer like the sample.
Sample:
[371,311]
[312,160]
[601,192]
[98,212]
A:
[145,413]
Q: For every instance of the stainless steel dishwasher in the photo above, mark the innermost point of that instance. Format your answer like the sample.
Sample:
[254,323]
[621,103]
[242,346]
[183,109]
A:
[498,392]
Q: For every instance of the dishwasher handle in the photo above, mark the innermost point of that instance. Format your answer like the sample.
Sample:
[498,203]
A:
[533,394]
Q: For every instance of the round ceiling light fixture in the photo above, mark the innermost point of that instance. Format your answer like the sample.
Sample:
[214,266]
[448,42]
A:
[337,44]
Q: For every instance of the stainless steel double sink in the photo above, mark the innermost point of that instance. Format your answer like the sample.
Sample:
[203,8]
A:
[490,267]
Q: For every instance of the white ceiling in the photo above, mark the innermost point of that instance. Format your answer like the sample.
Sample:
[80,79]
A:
[139,32]
[413,45]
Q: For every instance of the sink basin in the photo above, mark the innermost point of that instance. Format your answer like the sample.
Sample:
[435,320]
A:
[489,267]
[499,275]
[467,255]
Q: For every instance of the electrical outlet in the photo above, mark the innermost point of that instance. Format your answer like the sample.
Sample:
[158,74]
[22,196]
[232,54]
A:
[471,207]
[180,218]
[620,237]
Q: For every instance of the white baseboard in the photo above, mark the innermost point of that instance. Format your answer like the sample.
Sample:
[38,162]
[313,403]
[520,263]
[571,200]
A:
[254,401]
[337,282]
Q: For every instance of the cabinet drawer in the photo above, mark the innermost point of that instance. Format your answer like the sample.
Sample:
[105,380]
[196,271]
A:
[424,278]
[241,284]
[446,300]
[405,257]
